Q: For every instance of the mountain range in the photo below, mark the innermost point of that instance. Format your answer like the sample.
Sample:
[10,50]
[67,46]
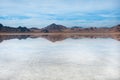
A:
[55,28]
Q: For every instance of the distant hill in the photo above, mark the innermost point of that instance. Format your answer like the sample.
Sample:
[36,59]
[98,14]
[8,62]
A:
[11,29]
[55,28]
[115,28]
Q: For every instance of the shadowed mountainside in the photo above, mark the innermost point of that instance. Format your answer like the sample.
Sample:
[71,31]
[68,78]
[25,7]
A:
[54,28]
[8,29]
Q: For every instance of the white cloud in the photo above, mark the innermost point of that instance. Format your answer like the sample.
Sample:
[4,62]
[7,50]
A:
[55,6]
[37,10]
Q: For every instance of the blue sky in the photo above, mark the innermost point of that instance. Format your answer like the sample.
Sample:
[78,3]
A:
[40,13]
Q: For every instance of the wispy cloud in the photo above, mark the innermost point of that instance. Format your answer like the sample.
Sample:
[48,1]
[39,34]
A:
[67,12]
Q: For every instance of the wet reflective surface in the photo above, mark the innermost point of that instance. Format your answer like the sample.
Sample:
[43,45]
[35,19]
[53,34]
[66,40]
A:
[60,37]
[60,57]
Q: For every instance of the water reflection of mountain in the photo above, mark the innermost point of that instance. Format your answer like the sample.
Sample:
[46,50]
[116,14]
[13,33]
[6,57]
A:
[54,38]
[8,37]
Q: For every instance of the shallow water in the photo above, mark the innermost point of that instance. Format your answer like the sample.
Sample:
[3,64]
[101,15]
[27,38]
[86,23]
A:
[69,59]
